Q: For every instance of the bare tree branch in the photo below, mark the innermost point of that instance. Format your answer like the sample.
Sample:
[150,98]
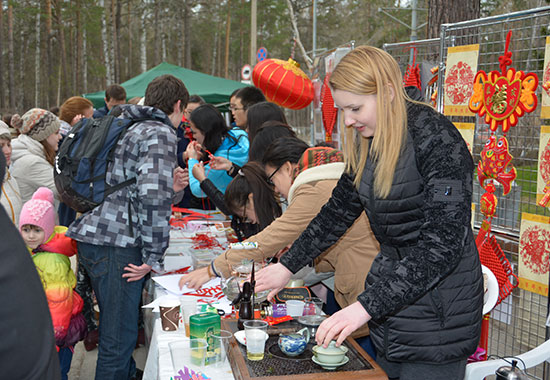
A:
[308,60]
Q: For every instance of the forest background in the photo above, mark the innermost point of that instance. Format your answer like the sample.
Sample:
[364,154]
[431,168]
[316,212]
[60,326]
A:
[53,49]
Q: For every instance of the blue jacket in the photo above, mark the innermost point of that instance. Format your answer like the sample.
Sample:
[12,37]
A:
[234,152]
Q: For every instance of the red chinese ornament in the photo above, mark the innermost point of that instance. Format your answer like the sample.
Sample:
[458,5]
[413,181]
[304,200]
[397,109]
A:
[496,164]
[283,83]
[503,97]
[330,113]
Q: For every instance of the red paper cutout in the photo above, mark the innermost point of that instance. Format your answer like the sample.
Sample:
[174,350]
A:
[458,83]
[535,243]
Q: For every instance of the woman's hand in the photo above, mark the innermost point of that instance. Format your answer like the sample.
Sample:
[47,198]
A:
[342,324]
[181,179]
[193,150]
[76,119]
[273,277]
[198,172]
[195,279]
[220,163]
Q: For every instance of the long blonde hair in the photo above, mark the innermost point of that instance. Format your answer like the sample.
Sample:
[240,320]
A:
[367,70]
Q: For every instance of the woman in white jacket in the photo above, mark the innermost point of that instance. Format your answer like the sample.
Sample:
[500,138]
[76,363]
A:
[11,196]
[34,151]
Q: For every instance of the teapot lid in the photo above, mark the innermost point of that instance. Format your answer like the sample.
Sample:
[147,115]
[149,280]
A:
[331,349]
[510,372]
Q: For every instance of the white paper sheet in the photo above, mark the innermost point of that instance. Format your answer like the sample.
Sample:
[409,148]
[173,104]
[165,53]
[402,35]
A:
[171,283]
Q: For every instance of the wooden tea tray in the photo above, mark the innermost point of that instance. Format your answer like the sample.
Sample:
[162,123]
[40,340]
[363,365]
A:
[277,366]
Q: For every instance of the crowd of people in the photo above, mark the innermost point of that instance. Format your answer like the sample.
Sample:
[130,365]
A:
[388,217]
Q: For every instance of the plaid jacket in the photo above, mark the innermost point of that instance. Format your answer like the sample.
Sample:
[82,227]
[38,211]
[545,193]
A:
[137,215]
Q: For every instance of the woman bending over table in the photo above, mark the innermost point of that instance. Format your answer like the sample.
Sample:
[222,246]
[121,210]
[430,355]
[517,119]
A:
[408,167]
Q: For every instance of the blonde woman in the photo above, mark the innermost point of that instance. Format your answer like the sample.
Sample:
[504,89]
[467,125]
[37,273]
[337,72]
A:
[408,167]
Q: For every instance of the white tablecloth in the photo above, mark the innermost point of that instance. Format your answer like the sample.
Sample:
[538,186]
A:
[159,362]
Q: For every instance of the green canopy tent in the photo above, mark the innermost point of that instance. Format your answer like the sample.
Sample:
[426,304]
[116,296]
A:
[213,89]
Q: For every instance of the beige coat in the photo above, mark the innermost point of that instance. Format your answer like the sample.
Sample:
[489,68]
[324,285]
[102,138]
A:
[350,258]
[11,197]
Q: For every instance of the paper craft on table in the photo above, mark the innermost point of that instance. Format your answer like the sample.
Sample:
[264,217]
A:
[171,283]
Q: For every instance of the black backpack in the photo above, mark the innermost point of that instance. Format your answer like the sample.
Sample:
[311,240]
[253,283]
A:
[83,159]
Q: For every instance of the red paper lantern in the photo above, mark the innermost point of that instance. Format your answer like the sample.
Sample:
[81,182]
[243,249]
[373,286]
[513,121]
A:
[283,83]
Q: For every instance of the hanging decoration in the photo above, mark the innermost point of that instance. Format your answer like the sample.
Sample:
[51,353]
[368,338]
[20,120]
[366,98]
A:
[545,98]
[430,93]
[496,165]
[534,253]
[460,69]
[501,98]
[412,74]
[283,83]
[329,111]
[543,172]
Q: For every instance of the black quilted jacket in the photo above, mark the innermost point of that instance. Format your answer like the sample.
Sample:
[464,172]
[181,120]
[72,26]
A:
[424,290]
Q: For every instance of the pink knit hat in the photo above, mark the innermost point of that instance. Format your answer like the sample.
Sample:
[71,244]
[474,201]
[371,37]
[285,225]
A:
[39,211]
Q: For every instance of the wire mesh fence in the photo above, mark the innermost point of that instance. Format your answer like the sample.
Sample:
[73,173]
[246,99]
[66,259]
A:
[518,324]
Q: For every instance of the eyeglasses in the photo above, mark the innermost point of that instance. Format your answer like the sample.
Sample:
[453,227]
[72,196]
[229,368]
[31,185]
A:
[235,108]
[269,179]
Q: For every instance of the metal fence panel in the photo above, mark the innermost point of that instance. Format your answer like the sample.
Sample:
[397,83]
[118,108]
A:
[518,324]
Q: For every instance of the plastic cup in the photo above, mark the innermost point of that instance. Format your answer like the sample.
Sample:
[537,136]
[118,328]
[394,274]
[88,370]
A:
[255,332]
[169,314]
[295,308]
[179,352]
[188,308]
[197,349]
[221,345]
[313,306]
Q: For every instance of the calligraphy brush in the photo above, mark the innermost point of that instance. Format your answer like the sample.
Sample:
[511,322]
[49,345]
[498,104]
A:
[253,283]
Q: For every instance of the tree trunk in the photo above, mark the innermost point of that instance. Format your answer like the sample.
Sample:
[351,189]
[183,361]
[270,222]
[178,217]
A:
[241,38]
[163,41]
[84,63]
[143,40]
[214,47]
[227,38]
[49,54]
[156,34]
[107,61]
[114,41]
[11,59]
[2,104]
[65,88]
[187,35]
[78,58]
[444,12]
[37,62]
[129,55]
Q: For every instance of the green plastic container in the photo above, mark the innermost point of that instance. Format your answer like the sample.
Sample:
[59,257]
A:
[203,326]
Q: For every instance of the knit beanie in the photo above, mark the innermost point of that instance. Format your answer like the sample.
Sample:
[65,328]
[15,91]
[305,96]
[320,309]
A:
[39,211]
[4,129]
[36,123]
